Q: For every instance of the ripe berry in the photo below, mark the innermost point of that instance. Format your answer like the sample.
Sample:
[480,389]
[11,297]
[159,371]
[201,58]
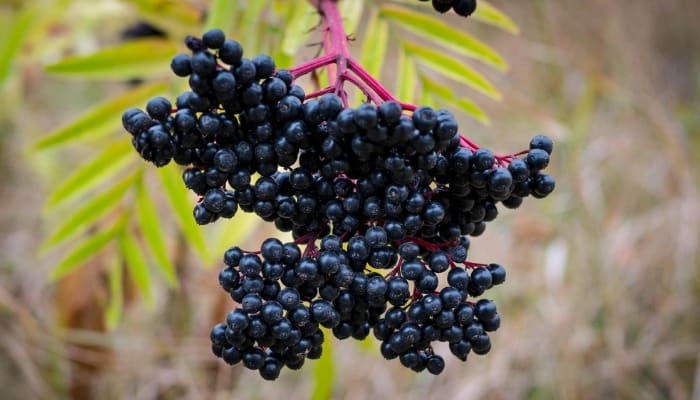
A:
[214,38]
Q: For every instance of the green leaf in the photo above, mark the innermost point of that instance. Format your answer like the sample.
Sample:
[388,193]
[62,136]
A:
[114,157]
[374,47]
[221,14]
[303,18]
[90,212]
[452,68]
[180,201]
[147,217]
[447,95]
[405,78]
[437,31]
[491,15]
[14,37]
[351,12]
[85,250]
[251,20]
[100,120]
[137,266]
[235,232]
[324,371]
[133,59]
[174,17]
[115,307]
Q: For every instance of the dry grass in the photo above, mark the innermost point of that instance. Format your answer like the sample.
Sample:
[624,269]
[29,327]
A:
[601,299]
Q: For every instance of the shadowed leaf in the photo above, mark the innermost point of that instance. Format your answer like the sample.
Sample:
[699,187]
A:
[138,58]
[103,119]
[172,16]
[440,32]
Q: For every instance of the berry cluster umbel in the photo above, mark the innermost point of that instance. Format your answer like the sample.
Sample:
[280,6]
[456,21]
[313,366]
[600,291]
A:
[463,8]
[379,202]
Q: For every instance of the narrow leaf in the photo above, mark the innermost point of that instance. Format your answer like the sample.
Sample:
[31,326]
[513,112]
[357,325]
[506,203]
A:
[85,250]
[221,15]
[452,68]
[14,37]
[137,266]
[115,307]
[437,31]
[405,78]
[90,212]
[181,202]
[351,12]
[324,371]
[302,19]
[377,36]
[114,157]
[489,14]
[235,232]
[103,119]
[470,108]
[138,58]
[174,17]
[447,95]
[150,226]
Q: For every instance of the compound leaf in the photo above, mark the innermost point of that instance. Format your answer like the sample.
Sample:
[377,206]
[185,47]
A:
[137,58]
[14,36]
[447,95]
[452,68]
[150,226]
[85,250]
[302,18]
[104,118]
[114,157]
[180,201]
[406,78]
[374,47]
[489,14]
[136,265]
[440,32]
[91,211]
[222,14]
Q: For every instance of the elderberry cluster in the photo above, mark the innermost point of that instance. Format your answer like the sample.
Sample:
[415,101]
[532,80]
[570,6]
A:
[379,203]
[463,8]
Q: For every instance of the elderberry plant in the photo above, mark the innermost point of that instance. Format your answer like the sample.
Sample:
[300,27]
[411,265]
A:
[380,198]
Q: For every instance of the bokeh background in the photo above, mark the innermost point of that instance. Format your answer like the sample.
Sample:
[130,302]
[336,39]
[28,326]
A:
[603,293]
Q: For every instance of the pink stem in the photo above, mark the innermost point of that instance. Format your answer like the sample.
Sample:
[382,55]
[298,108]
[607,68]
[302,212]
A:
[371,95]
[312,65]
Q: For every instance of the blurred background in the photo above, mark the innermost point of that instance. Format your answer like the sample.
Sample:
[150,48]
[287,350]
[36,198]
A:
[603,289]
